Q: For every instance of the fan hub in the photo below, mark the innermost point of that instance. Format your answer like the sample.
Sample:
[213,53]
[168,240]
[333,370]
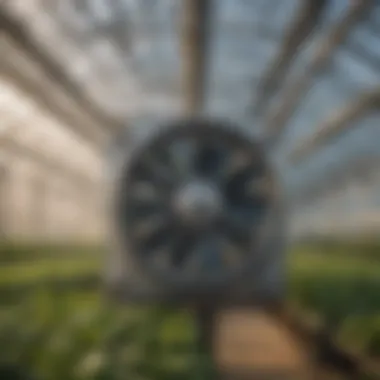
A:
[198,202]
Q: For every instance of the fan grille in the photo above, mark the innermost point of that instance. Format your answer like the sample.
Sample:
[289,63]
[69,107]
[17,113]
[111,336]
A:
[193,202]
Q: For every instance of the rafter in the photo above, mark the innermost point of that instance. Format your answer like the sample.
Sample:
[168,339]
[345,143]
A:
[55,166]
[301,27]
[364,166]
[20,36]
[364,55]
[374,25]
[278,120]
[360,168]
[17,68]
[195,35]
[338,123]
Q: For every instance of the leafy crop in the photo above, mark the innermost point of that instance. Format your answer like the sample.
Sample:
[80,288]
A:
[55,323]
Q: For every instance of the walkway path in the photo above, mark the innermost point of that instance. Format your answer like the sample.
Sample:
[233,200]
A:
[250,345]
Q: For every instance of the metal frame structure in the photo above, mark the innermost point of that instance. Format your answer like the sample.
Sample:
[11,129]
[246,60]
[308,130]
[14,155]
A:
[50,164]
[19,39]
[277,120]
[338,124]
[305,21]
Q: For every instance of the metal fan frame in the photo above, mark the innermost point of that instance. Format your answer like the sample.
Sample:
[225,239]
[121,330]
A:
[167,132]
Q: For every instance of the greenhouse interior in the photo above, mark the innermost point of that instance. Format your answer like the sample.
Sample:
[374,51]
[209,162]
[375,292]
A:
[76,76]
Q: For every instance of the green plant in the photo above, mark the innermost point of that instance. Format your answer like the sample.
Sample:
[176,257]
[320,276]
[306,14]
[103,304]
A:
[55,324]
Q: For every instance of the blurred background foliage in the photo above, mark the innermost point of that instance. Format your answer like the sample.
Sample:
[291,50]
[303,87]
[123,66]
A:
[56,323]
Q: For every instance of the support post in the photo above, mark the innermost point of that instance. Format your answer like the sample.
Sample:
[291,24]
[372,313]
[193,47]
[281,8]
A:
[195,35]
[206,324]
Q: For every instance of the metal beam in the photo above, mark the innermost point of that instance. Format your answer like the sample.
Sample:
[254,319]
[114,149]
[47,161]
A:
[18,68]
[364,56]
[363,167]
[337,124]
[359,167]
[301,27]
[20,35]
[78,177]
[278,120]
[195,35]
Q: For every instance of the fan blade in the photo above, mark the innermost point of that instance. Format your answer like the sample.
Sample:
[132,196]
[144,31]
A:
[161,174]
[248,188]
[155,234]
[149,226]
[236,230]
[183,153]
[144,202]
[184,243]
[209,160]
[139,212]
[145,192]
[206,257]
[161,258]
[258,188]
[236,163]
[231,254]
[234,189]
